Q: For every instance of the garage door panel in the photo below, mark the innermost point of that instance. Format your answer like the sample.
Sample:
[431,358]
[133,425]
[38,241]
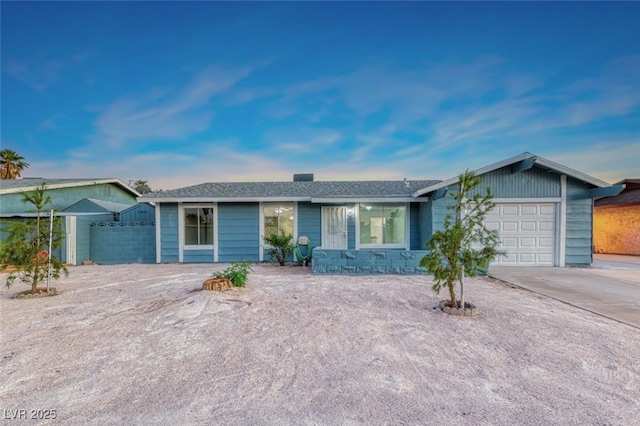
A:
[546,226]
[545,258]
[548,209]
[529,258]
[527,233]
[509,242]
[509,226]
[510,210]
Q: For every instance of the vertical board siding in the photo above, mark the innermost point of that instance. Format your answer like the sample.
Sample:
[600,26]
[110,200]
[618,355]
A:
[238,232]
[415,237]
[309,222]
[169,244]
[532,183]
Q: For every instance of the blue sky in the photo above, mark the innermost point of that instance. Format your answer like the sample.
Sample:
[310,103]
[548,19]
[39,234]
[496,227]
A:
[183,93]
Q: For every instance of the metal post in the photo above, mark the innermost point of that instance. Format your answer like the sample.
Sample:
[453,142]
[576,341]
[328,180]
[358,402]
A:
[50,244]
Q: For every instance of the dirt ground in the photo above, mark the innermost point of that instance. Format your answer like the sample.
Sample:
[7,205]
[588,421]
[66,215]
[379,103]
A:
[135,344]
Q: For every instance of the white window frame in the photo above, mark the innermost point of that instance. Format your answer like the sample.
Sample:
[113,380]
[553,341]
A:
[264,246]
[181,232]
[407,227]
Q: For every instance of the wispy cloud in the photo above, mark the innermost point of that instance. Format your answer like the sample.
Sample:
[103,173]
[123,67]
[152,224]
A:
[39,72]
[167,113]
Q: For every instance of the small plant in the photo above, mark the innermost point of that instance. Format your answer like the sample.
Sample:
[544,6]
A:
[237,273]
[280,246]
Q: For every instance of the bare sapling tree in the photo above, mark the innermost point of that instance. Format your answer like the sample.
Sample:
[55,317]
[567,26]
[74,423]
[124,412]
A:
[465,246]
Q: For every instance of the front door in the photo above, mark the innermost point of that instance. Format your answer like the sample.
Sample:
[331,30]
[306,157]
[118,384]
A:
[334,227]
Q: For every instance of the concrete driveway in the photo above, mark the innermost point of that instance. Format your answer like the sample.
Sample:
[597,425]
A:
[611,287]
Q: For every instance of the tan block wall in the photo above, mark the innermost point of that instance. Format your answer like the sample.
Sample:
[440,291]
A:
[616,229]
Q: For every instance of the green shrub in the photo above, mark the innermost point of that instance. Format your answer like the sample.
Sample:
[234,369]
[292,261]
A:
[280,246]
[237,273]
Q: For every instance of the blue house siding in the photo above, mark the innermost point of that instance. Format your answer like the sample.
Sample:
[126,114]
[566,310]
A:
[579,225]
[238,231]
[415,235]
[197,256]
[169,244]
[425,221]
[65,197]
[532,183]
[309,222]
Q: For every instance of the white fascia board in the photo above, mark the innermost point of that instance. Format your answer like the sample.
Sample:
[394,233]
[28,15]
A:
[370,200]
[222,199]
[564,170]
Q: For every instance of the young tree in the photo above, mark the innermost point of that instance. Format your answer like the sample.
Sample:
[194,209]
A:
[11,164]
[465,246]
[26,247]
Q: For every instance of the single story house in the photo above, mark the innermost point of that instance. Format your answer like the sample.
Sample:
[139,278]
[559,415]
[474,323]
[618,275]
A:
[616,221]
[80,202]
[544,215]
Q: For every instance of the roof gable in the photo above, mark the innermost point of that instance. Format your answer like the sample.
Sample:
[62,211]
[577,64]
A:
[10,186]
[522,158]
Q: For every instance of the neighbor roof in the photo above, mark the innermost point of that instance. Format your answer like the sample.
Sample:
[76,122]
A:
[291,191]
[109,206]
[629,196]
[539,161]
[10,186]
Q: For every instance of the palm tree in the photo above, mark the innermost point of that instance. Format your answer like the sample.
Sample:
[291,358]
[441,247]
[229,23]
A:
[11,164]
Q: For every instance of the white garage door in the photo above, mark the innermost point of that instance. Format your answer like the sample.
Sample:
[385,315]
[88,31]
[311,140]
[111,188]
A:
[527,233]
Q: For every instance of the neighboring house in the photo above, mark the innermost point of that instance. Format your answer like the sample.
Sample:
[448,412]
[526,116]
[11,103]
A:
[544,216]
[80,202]
[616,221]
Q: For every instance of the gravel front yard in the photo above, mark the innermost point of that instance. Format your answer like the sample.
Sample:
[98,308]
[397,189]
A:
[139,344]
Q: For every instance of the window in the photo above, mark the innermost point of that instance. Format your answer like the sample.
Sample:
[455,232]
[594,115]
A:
[278,218]
[383,225]
[198,226]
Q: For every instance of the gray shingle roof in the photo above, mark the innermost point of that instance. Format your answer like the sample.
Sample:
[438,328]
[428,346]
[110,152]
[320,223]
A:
[306,190]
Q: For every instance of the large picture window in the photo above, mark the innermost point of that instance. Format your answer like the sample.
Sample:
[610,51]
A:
[278,218]
[198,226]
[383,225]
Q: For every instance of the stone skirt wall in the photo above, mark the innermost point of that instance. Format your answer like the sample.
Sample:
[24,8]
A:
[367,262]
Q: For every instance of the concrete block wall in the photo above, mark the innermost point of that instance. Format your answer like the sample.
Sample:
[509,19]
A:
[367,262]
[123,242]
